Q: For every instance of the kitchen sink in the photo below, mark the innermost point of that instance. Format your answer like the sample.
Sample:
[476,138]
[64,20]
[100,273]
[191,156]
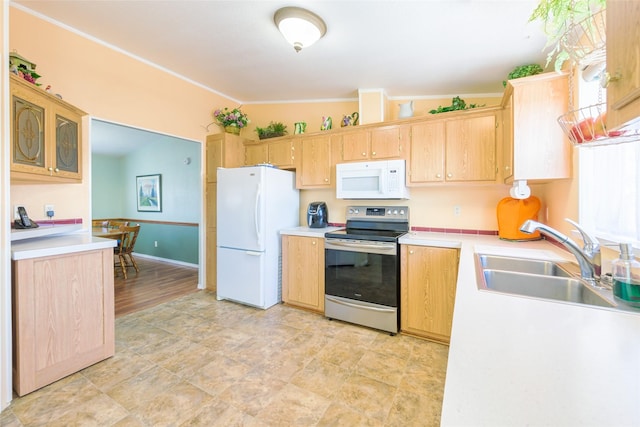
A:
[565,289]
[522,265]
[550,280]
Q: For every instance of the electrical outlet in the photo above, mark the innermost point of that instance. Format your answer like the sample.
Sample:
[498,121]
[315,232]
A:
[456,210]
[155,243]
[48,208]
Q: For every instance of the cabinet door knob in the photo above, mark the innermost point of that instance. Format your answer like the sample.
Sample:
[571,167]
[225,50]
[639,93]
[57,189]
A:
[608,78]
[326,180]
[57,170]
[438,175]
[507,168]
[313,243]
[449,175]
[373,154]
[364,154]
[411,252]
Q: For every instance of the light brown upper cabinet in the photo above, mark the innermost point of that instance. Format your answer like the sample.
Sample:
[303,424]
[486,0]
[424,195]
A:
[385,142]
[46,136]
[457,148]
[623,63]
[280,152]
[534,145]
[313,162]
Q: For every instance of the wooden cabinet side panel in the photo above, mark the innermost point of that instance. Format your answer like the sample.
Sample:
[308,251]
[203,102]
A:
[233,154]
[213,156]
[507,139]
[65,316]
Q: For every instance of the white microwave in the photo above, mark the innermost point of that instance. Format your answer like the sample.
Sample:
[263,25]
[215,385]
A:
[383,179]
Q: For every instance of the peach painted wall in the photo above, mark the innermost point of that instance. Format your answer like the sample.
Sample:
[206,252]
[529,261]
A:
[289,113]
[108,85]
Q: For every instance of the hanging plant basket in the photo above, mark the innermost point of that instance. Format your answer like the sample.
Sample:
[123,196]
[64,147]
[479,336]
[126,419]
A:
[588,127]
[585,41]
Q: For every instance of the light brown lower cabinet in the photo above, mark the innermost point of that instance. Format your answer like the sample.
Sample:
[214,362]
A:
[428,278]
[63,316]
[303,272]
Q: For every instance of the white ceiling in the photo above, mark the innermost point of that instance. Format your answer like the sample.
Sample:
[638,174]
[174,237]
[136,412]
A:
[409,48]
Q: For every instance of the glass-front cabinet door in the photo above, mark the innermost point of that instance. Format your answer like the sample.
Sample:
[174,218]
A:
[67,147]
[46,136]
[28,145]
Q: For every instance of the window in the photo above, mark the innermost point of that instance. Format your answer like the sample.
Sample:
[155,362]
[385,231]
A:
[609,182]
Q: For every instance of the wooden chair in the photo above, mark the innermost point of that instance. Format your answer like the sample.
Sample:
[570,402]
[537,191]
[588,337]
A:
[118,224]
[124,251]
[100,223]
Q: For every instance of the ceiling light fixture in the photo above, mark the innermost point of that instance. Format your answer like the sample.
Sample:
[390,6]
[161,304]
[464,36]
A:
[300,27]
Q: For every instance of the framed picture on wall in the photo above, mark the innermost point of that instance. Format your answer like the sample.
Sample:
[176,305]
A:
[149,193]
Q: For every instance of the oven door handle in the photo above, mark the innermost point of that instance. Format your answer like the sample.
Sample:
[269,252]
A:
[391,247]
[365,307]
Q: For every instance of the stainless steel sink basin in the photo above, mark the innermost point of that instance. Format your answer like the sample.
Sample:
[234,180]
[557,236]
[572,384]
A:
[522,265]
[539,286]
[550,280]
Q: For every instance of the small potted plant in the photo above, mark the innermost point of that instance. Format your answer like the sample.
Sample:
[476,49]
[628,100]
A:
[232,120]
[274,129]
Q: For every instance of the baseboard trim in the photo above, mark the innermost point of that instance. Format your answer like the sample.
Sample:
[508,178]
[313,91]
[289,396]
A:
[170,261]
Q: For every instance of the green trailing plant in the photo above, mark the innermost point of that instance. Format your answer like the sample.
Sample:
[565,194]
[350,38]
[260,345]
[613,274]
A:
[557,16]
[274,129]
[523,71]
[457,103]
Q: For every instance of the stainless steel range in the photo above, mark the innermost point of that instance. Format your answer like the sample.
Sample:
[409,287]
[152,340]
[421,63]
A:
[362,267]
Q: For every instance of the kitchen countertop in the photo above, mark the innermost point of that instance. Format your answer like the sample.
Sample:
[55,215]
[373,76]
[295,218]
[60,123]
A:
[58,245]
[523,361]
[43,230]
[305,231]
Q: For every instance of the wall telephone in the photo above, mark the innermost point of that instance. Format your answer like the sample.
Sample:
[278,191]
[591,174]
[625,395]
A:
[24,221]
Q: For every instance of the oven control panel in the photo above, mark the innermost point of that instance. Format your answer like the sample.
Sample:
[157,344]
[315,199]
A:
[378,212]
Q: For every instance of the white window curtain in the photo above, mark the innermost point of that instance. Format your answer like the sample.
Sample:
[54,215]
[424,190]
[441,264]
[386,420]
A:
[609,182]
[610,191]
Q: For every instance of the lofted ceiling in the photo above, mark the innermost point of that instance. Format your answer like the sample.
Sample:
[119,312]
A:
[429,48]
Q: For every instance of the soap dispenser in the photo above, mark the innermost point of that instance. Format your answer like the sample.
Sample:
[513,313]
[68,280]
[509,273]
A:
[626,277]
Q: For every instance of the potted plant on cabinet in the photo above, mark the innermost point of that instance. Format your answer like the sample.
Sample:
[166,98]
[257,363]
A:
[273,130]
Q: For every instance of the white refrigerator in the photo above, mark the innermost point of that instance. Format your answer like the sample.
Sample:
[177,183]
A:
[253,204]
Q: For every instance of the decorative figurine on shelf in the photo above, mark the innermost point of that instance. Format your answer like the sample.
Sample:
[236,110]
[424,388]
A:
[327,123]
[300,128]
[351,120]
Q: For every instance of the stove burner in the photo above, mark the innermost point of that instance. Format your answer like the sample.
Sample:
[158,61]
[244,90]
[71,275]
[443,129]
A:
[382,224]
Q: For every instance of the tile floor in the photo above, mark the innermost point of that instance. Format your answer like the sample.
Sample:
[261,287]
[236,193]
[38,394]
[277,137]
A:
[196,361]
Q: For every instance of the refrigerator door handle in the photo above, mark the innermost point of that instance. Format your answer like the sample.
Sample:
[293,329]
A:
[255,213]
[253,253]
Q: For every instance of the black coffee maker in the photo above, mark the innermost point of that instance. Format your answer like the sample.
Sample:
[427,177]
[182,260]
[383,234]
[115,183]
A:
[317,215]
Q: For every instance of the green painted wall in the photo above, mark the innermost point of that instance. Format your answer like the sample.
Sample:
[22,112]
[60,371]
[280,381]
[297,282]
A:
[114,194]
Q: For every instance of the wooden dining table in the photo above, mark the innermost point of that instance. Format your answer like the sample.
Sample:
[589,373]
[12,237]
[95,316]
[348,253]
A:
[106,232]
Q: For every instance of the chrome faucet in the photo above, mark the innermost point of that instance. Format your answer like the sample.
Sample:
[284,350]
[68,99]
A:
[588,258]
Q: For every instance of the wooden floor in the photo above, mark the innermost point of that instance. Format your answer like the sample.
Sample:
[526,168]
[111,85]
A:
[157,282]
